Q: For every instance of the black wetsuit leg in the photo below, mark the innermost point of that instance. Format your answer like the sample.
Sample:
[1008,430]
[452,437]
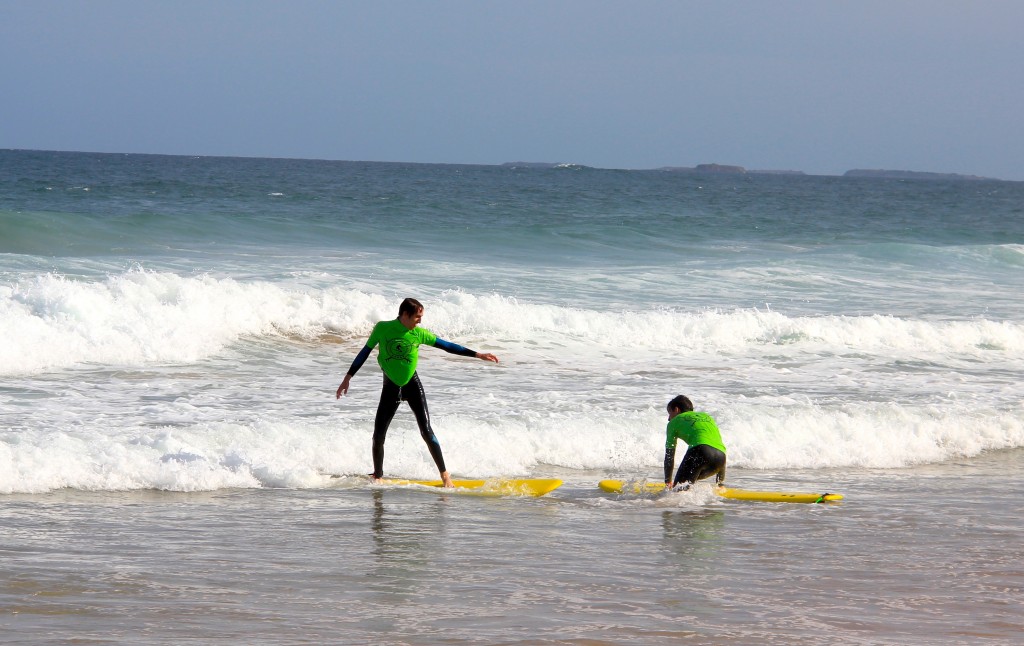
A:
[701,461]
[390,398]
[413,393]
[391,395]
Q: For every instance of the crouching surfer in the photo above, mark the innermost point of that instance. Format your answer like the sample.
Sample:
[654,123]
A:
[705,455]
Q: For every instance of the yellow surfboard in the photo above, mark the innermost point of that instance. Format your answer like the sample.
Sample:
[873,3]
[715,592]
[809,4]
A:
[492,487]
[619,486]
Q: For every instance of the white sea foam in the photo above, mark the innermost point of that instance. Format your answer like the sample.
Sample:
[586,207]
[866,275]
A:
[291,452]
[148,379]
[141,317]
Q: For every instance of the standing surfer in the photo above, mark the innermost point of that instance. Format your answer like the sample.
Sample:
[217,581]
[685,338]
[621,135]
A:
[705,456]
[399,341]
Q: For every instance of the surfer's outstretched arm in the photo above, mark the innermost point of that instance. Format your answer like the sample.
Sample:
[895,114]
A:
[455,348]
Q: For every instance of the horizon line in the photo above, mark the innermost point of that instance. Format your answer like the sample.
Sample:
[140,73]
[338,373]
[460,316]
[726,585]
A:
[679,169]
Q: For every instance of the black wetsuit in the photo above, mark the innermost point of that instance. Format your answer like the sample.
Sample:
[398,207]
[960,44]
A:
[699,462]
[391,395]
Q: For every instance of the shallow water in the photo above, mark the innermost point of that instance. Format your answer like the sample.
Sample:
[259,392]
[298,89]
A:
[917,556]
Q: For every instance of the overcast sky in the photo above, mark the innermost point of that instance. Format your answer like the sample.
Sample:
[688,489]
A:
[819,86]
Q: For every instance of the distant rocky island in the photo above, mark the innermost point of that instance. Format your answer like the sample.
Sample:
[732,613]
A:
[728,169]
[522,164]
[910,174]
[725,169]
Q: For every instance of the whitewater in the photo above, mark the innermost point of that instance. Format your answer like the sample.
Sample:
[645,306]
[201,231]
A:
[152,379]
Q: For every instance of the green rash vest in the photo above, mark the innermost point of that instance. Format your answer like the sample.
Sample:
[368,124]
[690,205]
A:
[693,428]
[399,348]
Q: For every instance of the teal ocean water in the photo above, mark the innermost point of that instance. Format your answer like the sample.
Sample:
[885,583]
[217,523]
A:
[174,329]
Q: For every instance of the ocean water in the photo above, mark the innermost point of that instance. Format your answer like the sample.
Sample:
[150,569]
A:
[173,330]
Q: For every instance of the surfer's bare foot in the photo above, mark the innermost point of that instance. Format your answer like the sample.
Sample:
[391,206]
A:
[447,480]
[374,479]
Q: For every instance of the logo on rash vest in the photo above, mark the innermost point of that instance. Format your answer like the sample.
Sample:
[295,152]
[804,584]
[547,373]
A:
[399,350]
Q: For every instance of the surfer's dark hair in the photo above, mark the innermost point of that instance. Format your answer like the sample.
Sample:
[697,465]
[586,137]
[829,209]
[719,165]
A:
[682,402]
[409,306]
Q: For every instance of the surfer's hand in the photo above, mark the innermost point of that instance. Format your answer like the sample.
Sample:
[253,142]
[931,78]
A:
[487,356]
[343,388]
